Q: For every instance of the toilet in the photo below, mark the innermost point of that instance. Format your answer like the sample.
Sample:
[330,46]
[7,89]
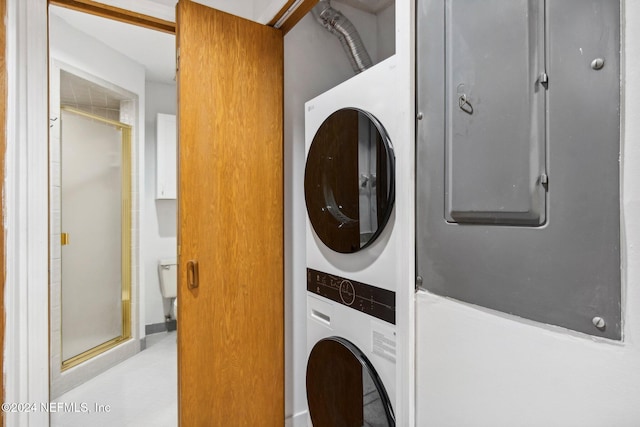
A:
[168,272]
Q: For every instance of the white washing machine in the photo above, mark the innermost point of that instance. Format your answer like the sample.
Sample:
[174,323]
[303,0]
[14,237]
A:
[350,194]
[351,355]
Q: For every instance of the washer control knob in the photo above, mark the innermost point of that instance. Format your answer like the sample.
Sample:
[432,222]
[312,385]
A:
[347,292]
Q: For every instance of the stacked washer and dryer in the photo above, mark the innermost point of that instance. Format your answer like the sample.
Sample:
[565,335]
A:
[351,301]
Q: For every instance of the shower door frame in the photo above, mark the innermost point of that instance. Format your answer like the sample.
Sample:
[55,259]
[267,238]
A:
[125,245]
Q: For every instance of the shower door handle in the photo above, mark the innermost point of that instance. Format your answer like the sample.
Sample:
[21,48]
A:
[192,274]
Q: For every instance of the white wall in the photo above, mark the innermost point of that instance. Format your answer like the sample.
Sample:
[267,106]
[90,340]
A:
[386,40]
[159,224]
[480,368]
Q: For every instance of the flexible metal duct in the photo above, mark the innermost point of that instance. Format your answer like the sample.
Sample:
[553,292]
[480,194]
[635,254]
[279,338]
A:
[338,25]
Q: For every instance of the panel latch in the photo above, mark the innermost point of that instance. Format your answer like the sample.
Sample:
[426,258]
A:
[544,181]
[543,79]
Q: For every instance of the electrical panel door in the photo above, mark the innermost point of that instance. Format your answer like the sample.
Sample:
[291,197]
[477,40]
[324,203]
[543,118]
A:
[518,193]
[495,104]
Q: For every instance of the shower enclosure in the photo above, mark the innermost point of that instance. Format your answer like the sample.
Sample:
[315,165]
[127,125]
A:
[95,224]
[91,169]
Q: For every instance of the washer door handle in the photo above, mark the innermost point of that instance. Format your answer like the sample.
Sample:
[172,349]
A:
[192,274]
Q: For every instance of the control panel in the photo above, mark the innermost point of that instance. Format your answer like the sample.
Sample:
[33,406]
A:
[374,301]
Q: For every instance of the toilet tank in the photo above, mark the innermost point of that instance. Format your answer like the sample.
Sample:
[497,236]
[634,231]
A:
[168,272]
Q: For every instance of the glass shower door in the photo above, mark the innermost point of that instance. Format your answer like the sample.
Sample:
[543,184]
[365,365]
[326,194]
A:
[95,191]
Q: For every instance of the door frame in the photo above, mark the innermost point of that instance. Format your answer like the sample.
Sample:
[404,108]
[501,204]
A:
[26,204]
[3,115]
[58,384]
[26,364]
[26,194]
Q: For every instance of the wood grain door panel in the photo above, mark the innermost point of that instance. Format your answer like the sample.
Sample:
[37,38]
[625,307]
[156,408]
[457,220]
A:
[230,220]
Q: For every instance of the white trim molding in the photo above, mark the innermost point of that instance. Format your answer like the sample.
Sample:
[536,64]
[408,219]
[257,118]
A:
[26,368]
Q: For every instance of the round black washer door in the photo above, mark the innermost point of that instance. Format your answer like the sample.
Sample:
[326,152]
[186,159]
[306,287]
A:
[343,388]
[349,183]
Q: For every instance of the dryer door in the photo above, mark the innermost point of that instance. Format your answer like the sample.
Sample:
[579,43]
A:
[343,388]
[349,180]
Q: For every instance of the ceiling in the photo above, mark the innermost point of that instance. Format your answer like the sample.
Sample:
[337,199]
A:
[154,50]
[371,6]
[263,11]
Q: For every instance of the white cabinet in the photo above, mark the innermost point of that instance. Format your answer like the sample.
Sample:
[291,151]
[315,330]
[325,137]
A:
[166,157]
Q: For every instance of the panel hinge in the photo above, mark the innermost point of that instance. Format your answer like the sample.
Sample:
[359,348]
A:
[544,181]
[543,79]
[419,283]
[177,59]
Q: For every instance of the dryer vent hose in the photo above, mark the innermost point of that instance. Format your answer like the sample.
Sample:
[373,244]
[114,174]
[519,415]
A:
[338,25]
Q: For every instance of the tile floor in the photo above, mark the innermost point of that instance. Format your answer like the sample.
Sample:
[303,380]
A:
[141,391]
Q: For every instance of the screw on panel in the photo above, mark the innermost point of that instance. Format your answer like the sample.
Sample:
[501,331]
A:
[599,322]
[597,63]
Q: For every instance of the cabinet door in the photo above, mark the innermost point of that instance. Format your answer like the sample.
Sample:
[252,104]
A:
[166,156]
[230,327]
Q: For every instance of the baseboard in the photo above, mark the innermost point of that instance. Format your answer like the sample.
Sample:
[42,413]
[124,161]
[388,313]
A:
[154,328]
[298,420]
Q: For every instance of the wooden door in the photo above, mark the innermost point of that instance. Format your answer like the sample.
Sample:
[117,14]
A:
[230,220]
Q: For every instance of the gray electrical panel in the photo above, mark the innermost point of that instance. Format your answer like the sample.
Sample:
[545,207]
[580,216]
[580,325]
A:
[495,112]
[518,157]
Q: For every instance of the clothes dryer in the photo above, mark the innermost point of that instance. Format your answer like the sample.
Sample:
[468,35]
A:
[351,352]
[349,180]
